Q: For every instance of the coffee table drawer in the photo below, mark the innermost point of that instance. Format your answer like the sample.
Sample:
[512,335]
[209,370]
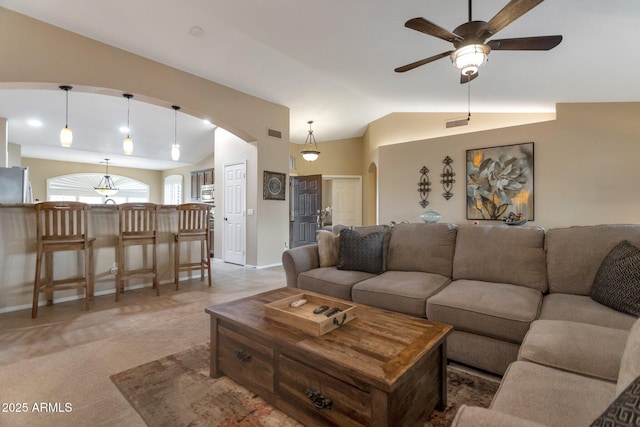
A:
[315,397]
[245,360]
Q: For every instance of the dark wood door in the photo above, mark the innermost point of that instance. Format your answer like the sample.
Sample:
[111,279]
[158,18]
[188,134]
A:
[305,200]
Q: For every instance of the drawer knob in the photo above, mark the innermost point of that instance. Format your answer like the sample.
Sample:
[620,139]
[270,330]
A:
[318,400]
[243,356]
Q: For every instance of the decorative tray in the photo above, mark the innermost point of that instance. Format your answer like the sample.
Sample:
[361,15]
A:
[303,317]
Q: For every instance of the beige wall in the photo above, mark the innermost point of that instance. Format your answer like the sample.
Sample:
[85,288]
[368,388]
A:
[340,157]
[585,168]
[42,56]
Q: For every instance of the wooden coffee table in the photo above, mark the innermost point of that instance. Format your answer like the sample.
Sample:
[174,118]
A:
[381,369]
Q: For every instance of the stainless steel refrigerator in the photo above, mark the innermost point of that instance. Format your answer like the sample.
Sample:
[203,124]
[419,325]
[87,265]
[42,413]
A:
[14,185]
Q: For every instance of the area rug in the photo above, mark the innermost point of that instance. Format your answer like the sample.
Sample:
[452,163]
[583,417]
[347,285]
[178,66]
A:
[178,391]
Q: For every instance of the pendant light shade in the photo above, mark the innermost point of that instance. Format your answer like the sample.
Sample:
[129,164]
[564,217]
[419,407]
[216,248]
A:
[106,187]
[175,148]
[310,152]
[127,144]
[66,136]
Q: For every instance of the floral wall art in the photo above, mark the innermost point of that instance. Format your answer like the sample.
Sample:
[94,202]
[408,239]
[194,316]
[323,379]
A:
[500,181]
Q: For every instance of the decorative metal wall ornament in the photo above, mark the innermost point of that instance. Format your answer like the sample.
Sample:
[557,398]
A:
[424,187]
[447,178]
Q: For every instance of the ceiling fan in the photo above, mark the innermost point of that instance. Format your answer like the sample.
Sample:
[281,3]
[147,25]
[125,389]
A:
[470,39]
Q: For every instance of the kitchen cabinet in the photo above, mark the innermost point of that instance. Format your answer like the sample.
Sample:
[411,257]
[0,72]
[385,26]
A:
[200,178]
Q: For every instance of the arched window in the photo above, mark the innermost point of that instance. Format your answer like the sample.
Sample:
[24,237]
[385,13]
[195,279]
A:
[80,188]
[173,190]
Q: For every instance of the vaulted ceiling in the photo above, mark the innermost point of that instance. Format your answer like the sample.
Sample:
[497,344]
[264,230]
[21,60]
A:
[333,61]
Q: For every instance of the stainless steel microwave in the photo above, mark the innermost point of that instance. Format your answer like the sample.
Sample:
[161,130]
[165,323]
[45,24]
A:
[206,193]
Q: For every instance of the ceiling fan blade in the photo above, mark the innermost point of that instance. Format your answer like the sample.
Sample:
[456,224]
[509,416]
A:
[526,43]
[512,11]
[466,79]
[424,26]
[422,62]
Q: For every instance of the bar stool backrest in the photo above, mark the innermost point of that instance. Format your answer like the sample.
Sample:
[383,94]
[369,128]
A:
[62,221]
[194,218]
[138,219]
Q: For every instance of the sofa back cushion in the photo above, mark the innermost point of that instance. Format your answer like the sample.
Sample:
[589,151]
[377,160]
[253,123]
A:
[574,254]
[501,254]
[426,248]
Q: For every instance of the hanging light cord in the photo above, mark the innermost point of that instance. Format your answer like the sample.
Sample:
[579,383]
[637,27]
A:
[128,128]
[469,101]
[66,119]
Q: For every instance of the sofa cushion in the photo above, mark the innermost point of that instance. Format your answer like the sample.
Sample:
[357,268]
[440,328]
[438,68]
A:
[361,253]
[401,291]
[617,282]
[501,254]
[475,416]
[624,411]
[630,362]
[575,347]
[574,254]
[496,310]
[328,248]
[331,281]
[580,308]
[422,247]
[550,396]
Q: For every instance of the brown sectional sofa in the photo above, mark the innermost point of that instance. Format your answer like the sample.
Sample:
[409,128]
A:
[518,298]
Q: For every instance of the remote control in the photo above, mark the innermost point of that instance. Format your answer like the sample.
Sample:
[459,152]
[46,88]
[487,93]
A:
[320,309]
[298,303]
[333,311]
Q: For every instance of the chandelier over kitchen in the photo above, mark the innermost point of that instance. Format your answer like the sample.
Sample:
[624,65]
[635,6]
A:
[106,187]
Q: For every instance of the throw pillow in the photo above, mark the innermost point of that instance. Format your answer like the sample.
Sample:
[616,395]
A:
[624,411]
[361,253]
[617,282]
[328,247]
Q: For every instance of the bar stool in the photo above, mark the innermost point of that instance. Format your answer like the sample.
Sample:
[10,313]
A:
[193,226]
[138,226]
[62,226]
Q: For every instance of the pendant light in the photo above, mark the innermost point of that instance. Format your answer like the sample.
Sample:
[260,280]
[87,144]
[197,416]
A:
[106,187]
[127,144]
[175,148]
[66,136]
[311,153]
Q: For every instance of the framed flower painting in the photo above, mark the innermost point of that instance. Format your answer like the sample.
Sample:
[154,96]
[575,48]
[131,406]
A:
[500,182]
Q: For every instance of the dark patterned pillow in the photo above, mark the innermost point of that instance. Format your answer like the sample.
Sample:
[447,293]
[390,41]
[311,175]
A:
[624,411]
[617,282]
[361,253]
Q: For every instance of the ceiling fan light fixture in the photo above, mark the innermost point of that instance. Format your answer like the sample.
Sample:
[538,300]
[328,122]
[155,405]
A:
[470,58]
[310,152]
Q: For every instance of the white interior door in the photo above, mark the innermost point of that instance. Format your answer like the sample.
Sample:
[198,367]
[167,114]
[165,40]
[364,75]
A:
[234,240]
[346,198]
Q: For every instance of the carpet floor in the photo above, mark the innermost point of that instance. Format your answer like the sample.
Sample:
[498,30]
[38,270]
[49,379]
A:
[177,391]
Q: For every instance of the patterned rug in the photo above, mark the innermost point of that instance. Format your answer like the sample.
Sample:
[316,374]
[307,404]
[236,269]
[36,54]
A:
[177,391]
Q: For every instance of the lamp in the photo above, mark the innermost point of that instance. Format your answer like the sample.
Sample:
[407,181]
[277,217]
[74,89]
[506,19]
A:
[470,57]
[310,154]
[175,148]
[127,144]
[106,187]
[66,136]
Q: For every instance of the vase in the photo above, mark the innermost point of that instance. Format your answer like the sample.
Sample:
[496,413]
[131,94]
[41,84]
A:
[430,216]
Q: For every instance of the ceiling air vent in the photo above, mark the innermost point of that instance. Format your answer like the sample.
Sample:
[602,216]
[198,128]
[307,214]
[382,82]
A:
[274,133]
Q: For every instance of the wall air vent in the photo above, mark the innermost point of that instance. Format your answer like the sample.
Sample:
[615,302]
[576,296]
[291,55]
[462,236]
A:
[458,122]
[274,133]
